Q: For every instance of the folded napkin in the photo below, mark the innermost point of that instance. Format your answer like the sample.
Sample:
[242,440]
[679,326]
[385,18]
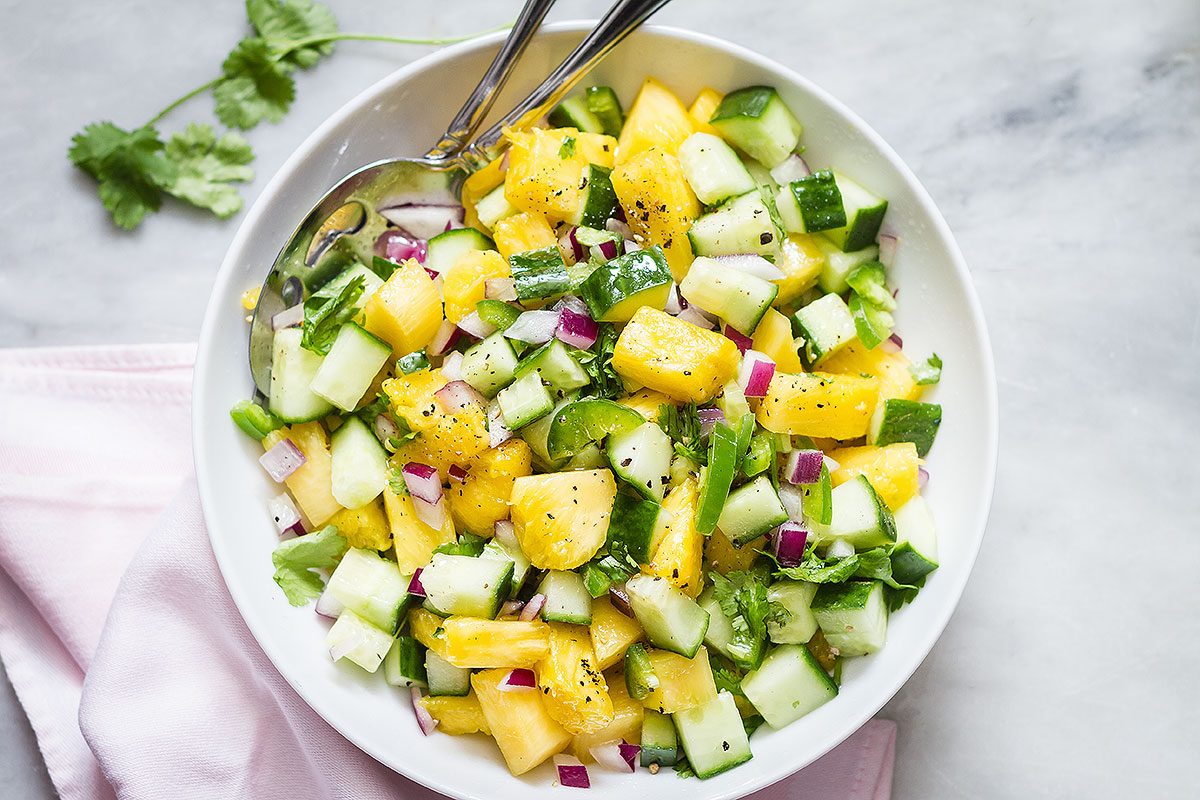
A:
[138,675]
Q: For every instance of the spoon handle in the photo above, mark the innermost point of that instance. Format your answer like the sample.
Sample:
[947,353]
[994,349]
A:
[622,19]
[479,103]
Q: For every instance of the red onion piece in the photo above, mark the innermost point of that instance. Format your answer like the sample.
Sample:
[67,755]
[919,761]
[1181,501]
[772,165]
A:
[620,600]
[571,772]
[282,460]
[575,329]
[708,418]
[506,533]
[344,646]
[511,608]
[630,753]
[697,317]
[283,512]
[751,264]
[609,756]
[619,214]
[533,607]
[830,464]
[425,720]
[579,251]
[619,227]
[675,301]
[457,473]
[803,467]
[385,428]
[329,606]
[896,340]
[399,246]
[535,327]
[518,680]
[473,324]
[756,373]
[445,339]
[415,587]
[457,395]
[432,514]
[452,366]
[609,250]
[789,540]
[922,478]
[423,221]
[742,341]
[498,432]
[630,246]
[792,168]
[572,302]
[288,318]
[423,481]
[887,249]
[500,289]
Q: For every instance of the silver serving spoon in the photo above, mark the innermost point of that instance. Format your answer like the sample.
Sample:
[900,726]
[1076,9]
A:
[351,208]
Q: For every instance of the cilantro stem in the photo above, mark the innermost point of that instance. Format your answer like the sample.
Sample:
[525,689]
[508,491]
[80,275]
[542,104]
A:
[370,37]
[199,90]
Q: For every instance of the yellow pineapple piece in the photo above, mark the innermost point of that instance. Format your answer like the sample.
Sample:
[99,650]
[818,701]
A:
[725,557]
[477,643]
[680,550]
[463,283]
[892,470]
[626,722]
[702,109]
[773,337]
[819,404]
[646,403]
[481,500]
[801,261]
[311,485]
[659,204]
[523,232]
[365,526]
[656,119]
[413,540]
[477,185]
[406,311]
[524,731]
[674,357]
[445,438]
[561,519]
[426,628]
[545,174]
[572,684]
[612,633]
[683,683]
[457,716]
[892,369]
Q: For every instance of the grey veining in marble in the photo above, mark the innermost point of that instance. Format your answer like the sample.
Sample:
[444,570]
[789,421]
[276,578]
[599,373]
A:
[1062,142]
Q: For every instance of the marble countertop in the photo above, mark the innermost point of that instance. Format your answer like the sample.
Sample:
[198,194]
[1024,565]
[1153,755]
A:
[1062,142]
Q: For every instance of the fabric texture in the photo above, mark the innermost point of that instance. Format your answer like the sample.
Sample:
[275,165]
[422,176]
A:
[138,675]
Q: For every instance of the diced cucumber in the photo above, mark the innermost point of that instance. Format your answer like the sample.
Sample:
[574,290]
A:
[897,420]
[817,498]
[359,467]
[508,551]
[567,600]
[536,435]
[915,554]
[554,364]
[493,207]
[751,510]
[292,371]
[444,679]
[524,401]
[497,313]
[254,420]
[789,684]
[761,455]
[712,169]
[574,113]
[413,362]
[640,679]
[490,365]
[372,587]
[539,274]
[826,327]
[353,638]
[853,616]
[863,216]
[744,651]
[742,225]
[796,598]
[603,102]
[444,250]
[737,298]
[717,477]
[585,422]
[351,366]
[590,457]
[671,619]
[758,121]
[615,290]
[467,586]
[733,403]
[860,516]
[404,664]
[811,204]
[642,458]
[634,524]
[838,264]
[660,745]
[599,199]
[713,736]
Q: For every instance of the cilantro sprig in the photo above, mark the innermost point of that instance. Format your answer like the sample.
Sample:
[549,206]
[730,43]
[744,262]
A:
[136,168]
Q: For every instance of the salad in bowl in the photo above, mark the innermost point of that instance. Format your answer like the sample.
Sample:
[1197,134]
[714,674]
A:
[619,459]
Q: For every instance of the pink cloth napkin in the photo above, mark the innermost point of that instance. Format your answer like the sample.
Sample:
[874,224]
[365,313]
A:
[138,675]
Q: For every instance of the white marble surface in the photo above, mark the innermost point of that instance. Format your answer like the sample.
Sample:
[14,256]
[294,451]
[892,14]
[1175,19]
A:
[1062,141]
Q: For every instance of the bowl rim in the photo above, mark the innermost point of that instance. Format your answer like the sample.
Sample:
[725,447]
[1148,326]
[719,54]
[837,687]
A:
[766,774]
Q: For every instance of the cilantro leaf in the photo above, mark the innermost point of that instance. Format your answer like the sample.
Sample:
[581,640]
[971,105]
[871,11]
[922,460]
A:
[281,22]
[207,165]
[396,481]
[255,86]
[468,544]
[684,769]
[874,564]
[597,363]
[752,723]
[743,599]
[324,314]
[682,424]
[927,372]
[295,559]
[728,681]
[129,166]
[568,148]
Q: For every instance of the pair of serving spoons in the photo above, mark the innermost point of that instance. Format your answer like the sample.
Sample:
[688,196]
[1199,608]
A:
[352,207]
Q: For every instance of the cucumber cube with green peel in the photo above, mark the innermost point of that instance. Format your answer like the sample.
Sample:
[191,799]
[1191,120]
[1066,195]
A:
[897,420]
[853,616]
[757,121]
[864,214]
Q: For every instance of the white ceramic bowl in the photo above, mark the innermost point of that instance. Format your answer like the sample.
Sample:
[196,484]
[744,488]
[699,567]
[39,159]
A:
[401,115]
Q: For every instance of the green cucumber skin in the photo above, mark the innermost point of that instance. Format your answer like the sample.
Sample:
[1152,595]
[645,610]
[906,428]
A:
[612,283]
[603,102]
[632,524]
[660,743]
[909,421]
[574,113]
[864,228]
[750,102]
[540,273]
[820,202]
[600,201]
[909,566]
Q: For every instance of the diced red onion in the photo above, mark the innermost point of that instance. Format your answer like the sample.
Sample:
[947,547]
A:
[803,467]
[630,753]
[577,249]
[535,327]
[423,221]
[498,432]
[619,214]
[789,540]
[618,226]
[887,249]
[792,168]
[511,608]
[500,289]
[742,341]
[415,587]
[457,395]
[423,481]
[630,246]
[329,606]
[792,499]
[620,600]
[830,464]
[505,533]
[610,756]
[282,460]
[533,607]
[452,366]
[609,250]
[283,512]
[697,317]
[518,680]
[751,264]
[473,324]
[709,417]
[571,772]
[896,340]
[756,373]
[399,246]
[675,301]
[839,548]
[432,514]
[288,318]
[457,473]
[425,720]
[922,478]
[444,340]
[433,274]
[385,428]
[575,329]
[295,530]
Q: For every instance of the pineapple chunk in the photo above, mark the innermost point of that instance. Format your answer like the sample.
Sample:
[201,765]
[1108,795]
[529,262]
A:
[725,557]
[572,684]
[365,526]
[773,338]
[481,500]
[406,311]
[626,722]
[414,541]
[681,547]
[801,261]
[521,233]
[819,404]
[525,732]
[657,119]
[311,485]
[891,470]
[612,633]
[478,643]
[683,683]
[457,716]
[896,381]
[426,628]
[702,110]
[646,403]
[545,174]
[463,283]
[446,438]
[659,204]
[477,185]
[561,519]
[674,357]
